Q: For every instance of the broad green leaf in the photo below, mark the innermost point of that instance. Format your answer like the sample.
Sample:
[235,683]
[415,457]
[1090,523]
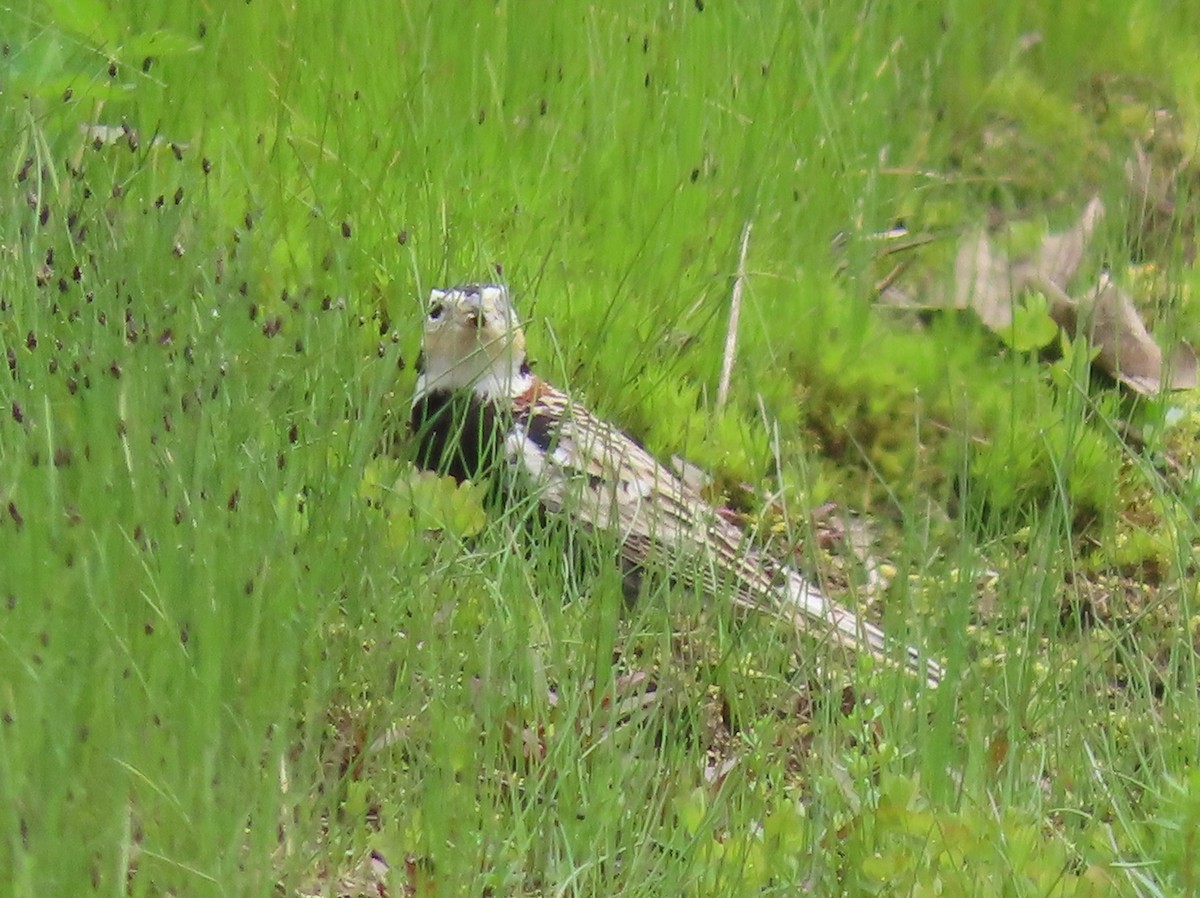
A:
[1032,327]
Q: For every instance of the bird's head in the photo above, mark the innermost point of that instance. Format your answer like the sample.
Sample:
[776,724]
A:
[473,341]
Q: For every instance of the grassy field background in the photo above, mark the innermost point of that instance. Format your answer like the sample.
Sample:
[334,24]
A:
[244,652]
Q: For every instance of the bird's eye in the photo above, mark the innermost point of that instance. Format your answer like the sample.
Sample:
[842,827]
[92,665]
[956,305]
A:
[436,312]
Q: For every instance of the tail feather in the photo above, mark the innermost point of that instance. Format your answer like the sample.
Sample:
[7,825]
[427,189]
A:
[851,630]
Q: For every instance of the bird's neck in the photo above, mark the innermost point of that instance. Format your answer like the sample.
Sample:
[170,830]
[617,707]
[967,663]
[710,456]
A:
[491,383]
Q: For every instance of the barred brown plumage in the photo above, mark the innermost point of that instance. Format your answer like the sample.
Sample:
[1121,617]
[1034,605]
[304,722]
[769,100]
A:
[478,408]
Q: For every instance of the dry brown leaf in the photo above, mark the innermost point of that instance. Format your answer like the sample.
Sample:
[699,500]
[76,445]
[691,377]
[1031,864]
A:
[1126,349]
[990,284]
[987,281]
[984,281]
[1060,255]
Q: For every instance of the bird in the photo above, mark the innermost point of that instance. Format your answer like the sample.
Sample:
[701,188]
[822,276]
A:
[479,412]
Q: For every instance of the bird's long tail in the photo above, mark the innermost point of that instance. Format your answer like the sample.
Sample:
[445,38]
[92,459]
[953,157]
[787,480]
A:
[848,628]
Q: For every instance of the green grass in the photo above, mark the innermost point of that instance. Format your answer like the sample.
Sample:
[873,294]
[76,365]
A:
[240,649]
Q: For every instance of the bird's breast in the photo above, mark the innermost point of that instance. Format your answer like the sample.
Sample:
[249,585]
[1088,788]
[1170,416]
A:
[458,433]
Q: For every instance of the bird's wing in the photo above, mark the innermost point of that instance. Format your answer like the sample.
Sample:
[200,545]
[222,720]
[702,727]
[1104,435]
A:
[589,470]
